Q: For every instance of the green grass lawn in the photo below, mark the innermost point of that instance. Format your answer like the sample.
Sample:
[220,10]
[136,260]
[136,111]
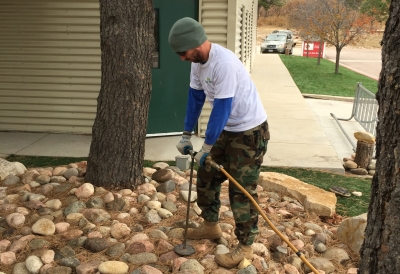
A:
[321,79]
[350,206]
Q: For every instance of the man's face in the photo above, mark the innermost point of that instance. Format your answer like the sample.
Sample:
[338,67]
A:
[191,55]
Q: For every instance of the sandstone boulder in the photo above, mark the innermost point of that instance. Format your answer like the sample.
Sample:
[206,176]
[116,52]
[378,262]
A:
[315,200]
[351,231]
[364,136]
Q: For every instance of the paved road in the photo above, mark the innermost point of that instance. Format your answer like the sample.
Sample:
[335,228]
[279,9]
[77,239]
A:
[363,61]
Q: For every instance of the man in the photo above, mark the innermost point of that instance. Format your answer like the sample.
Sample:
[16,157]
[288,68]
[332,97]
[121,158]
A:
[236,136]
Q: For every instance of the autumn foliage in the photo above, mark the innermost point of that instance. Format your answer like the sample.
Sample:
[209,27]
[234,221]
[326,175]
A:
[337,22]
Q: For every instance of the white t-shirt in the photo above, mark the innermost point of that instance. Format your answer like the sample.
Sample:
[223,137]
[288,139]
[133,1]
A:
[224,76]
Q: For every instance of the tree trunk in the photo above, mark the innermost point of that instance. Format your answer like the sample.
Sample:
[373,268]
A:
[338,50]
[118,136]
[380,252]
[364,152]
[319,52]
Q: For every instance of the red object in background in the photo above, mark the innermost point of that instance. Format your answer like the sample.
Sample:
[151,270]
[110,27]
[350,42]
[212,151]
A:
[313,49]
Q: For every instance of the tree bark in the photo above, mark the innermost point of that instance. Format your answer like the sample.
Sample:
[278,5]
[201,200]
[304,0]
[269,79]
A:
[118,136]
[380,252]
[320,51]
[338,50]
[364,152]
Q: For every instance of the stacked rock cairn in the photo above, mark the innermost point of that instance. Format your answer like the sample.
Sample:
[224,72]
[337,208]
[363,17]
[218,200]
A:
[362,162]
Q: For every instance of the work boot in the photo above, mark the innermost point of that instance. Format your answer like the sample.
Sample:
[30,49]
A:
[233,258]
[207,230]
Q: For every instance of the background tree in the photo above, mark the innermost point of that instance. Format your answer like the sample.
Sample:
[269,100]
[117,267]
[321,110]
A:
[378,9]
[337,22]
[304,17]
[118,136]
[343,25]
[265,5]
[380,252]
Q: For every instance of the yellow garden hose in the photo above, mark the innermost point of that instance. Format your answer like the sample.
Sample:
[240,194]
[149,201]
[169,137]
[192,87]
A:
[210,162]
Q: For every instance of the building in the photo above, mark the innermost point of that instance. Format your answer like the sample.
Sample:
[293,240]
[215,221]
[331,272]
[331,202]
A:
[50,61]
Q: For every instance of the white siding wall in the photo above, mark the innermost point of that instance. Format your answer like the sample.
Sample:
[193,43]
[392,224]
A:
[232,24]
[214,18]
[49,65]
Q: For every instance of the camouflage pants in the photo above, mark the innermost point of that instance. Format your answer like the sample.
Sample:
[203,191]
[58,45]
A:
[241,155]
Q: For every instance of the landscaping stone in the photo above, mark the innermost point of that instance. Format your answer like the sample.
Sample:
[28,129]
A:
[71,226]
[315,200]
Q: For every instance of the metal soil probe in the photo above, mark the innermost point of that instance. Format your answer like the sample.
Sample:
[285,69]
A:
[184,249]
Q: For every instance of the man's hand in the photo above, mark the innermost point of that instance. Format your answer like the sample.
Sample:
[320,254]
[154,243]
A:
[202,154]
[185,144]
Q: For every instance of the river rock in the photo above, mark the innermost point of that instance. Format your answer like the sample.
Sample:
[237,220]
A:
[113,267]
[7,258]
[165,214]
[57,270]
[170,206]
[70,262]
[116,250]
[147,189]
[44,227]
[74,207]
[96,215]
[336,254]
[152,217]
[47,256]
[153,204]
[162,175]
[320,263]
[96,244]
[33,264]
[43,179]
[20,268]
[120,230]
[248,270]
[192,266]
[350,164]
[88,267]
[166,187]
[71,172]
[184,194]
[15,220]
[359,171]
[84,191]
[116,205]
[11,180]
[143,258]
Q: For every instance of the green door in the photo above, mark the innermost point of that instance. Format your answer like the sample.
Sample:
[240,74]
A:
[170,81]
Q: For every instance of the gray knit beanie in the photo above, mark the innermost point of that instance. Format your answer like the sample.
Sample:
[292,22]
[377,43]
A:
[186,34]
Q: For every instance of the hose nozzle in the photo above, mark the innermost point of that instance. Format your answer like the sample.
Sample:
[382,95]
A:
[210,163]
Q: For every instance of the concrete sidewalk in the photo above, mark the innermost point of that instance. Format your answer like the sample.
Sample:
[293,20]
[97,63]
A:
[298,137]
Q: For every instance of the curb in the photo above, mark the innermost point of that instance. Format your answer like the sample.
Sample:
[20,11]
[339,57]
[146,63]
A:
[355,70]
[328,97]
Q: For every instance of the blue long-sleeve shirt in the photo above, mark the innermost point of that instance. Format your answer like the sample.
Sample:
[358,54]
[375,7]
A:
[218,118]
